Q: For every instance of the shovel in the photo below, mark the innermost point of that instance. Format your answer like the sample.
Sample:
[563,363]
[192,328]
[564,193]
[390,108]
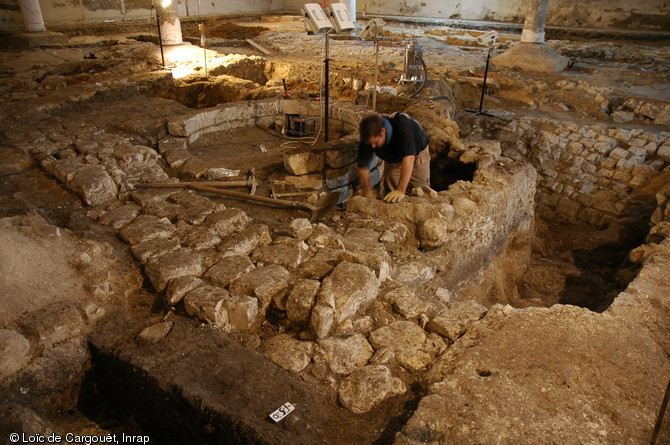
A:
[326,203]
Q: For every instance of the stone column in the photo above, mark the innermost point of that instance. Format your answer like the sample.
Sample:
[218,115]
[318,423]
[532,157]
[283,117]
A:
[536,17]
[351,6]
[169,22]
[32,15]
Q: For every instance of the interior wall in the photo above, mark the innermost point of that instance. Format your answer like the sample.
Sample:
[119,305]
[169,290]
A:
[622,14]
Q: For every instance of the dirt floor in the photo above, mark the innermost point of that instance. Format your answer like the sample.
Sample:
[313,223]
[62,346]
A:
[590,260]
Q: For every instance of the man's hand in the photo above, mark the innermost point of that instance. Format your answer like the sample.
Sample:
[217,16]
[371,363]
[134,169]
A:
[394,196]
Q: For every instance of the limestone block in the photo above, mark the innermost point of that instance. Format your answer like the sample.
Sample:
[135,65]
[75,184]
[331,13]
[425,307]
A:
[456,320]
[153,248]
[120,216]
[300,228]
[145,228]
[464,205]
[379,263]
[194,168]
[406,303]
[305,182]
[664,152]
[14,353]
[367,386]
[165,145]
[207,304]
[413,271]
[314,269]
[229,269]
[93,184]
[434,232]
[196,237]
[344,354]
[618,153]
[288,254]
[343,156]
[291,354]
[227,221]
[321,320]
[242,311]
[246,241]
[324,236]
[178,287]
[407,341]
[160,270]
[176,157]
[348,288]
[266,283]
[301,300]
[155,332]
[266,107]
[52,324]
[622,116]
[303,162]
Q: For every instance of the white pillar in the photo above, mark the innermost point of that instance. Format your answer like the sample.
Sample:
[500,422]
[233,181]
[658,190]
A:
[32,15]
[536,17]
[169,22]
[351,6]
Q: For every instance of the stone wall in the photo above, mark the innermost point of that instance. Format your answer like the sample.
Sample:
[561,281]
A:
[587,172]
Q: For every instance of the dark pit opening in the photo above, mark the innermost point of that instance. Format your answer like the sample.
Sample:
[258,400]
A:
[445,170]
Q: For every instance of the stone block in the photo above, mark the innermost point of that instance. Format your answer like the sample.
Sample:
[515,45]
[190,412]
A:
[153,248]
[301,300]
[155,333]
[207,304]
[664,152]
[321,320]
[52,324]
[343,156]
[246,241]
[120,216]
[160,270]
[455,321]
[93,184]
[177,288]
[197,237]
[242,311]
[303,162]
[14,353]
[618,153]
[407,341]
[368,386]
[285,351]
[348,288]
[227,221]
[229,269]
[300,228]
[266,283]
[345,354]
[145,228]
[305,182]
[289,253]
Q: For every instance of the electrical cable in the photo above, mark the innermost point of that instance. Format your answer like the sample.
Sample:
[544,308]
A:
[425,78]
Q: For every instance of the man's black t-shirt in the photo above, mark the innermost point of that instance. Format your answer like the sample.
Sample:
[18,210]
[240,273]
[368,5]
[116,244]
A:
[407,139]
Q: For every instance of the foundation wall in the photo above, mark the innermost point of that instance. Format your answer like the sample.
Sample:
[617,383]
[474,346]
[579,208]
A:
[588,172]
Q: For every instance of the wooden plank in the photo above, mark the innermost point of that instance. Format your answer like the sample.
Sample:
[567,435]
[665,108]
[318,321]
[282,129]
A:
[258,47]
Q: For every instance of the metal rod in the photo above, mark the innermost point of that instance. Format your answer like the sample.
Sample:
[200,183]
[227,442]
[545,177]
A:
[374,87]
[160,38]
[327,92]
[486,72]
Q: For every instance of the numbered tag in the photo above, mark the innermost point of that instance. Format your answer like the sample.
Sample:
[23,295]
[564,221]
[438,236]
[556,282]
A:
[282,412]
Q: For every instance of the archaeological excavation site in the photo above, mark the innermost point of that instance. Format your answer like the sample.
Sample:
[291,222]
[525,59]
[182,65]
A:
[196,248]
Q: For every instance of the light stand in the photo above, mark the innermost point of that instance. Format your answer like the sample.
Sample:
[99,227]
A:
[370,32]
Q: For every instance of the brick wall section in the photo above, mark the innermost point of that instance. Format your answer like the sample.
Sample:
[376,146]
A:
[588,172]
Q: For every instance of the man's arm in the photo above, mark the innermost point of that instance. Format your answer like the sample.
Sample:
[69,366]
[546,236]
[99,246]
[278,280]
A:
[364,177]
[406,168]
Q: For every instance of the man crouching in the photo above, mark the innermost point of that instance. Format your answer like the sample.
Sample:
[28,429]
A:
[402,144]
